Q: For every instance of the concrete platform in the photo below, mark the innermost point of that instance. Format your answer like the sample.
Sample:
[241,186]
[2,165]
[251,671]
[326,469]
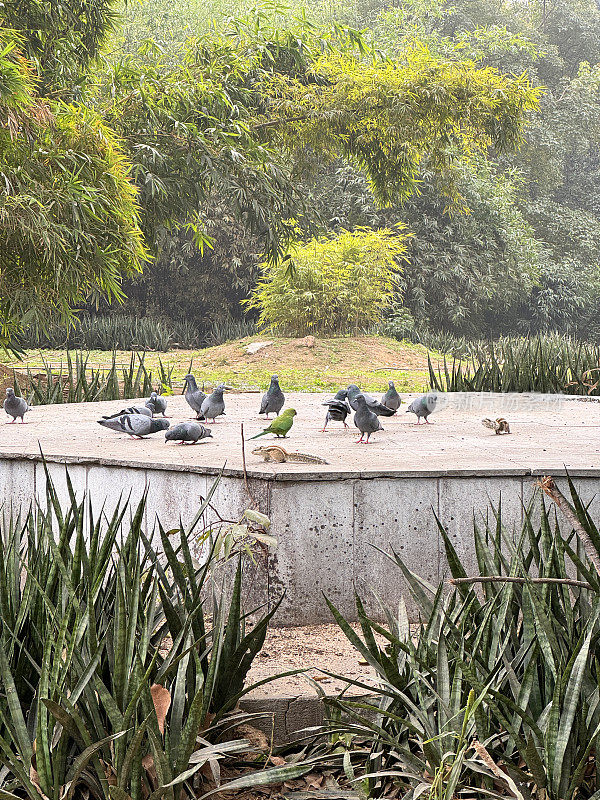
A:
[326,518]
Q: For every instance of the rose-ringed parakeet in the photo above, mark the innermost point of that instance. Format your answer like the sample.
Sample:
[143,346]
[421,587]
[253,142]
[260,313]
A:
[280,426]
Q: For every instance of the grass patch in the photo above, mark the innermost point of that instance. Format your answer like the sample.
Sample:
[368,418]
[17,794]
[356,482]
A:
[302,364]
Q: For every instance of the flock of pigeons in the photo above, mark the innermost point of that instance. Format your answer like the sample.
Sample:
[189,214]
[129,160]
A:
[143,420]
[367,409]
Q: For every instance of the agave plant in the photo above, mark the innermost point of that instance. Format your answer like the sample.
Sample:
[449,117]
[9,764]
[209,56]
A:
[549,364]
[76,381]
[495,692]
[117,331]
[120,668]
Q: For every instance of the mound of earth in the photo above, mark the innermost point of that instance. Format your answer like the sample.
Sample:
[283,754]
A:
[305,364]
[314,362]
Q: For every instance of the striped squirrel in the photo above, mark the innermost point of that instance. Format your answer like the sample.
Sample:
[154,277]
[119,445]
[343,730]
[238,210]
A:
[273,452]
[499,425]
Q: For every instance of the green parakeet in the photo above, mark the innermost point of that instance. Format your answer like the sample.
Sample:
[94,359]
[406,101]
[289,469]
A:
[280,425]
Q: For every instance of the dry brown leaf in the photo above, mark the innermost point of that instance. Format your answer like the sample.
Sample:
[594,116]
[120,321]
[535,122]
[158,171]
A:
[34,778]
[151,774]
[256,738]
[109,771]
[314,780]
[277,761]
[161,698]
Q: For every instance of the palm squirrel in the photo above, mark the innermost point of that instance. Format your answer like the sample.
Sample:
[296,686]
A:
[273,452]
[499,425]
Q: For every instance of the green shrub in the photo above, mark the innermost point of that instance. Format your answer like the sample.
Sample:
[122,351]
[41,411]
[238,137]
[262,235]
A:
[331,285]
[496,693]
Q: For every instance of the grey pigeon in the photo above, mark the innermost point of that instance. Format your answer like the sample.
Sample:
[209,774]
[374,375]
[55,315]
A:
[391,398]
[135,424]
[337,409]
[190,432]
[159,403]
[273,399]
[374,405]
[194,396]
[365,420]
[15,406]
[423,407]
[214,405]
[147,411]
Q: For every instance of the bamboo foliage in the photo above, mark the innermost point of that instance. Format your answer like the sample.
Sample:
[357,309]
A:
[329,285]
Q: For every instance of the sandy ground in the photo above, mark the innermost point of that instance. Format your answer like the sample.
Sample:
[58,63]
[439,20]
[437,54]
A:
[548,432]
[314,648]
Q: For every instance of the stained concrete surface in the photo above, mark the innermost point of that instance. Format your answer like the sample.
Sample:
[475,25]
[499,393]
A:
[547,433]
[332,521]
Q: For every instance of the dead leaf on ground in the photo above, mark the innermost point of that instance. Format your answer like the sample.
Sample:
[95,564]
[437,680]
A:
[161,698]
[256,738]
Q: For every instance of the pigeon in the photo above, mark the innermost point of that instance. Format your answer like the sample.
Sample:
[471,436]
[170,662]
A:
[391,398]
[159,402]
[374,405]
[190,432]
[194,396]
[213,405]
[273,398]
[15,406]
[147,411]
[338,409]
[365,420]
[280,426]
[423,407]
[135,424]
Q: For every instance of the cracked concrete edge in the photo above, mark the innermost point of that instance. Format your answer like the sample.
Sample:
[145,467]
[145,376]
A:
[286,719]
[312,475]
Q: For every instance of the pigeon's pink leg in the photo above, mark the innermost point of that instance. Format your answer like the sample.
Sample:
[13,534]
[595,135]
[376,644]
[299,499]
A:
[359,441]
[427,421]
[10,422]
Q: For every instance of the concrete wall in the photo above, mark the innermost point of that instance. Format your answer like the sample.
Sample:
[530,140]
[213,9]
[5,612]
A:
[328,530]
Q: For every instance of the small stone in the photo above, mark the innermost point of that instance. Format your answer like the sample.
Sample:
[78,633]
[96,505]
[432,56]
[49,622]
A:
[254,347]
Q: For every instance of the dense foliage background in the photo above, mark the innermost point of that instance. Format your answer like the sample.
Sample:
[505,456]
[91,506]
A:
[524,256]
[246,130]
